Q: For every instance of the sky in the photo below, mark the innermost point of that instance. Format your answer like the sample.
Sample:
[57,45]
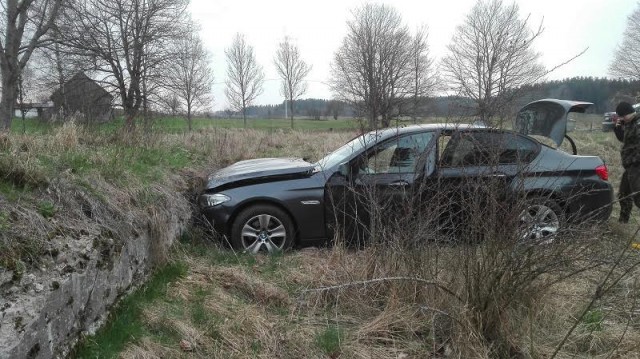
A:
[318,27]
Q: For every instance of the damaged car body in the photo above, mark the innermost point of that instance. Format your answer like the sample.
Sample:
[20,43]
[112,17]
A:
[270,204]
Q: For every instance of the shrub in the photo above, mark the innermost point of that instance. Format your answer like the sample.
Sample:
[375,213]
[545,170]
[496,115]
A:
[47,209]
[329,341]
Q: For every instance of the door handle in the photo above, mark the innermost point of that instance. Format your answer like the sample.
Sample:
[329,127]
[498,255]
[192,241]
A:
[399,184]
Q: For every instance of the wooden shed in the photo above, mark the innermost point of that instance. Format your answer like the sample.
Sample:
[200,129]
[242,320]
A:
[84,96]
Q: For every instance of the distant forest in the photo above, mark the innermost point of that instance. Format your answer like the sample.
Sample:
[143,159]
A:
[603,92]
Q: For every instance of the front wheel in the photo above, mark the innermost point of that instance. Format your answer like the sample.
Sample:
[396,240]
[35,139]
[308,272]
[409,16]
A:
[262,228]
[540,220]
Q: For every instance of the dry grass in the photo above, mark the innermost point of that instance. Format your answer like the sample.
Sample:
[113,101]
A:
[232,306]
[362,304]
[117,180]
[237,307]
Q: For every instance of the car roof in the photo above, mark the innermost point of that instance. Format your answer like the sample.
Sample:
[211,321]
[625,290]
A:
[552,122]
[393,131]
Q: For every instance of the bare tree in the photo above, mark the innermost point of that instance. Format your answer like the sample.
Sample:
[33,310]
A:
[334,108]
[373,68]
[292,70]
[424,76]
[169,101]
[25,23]
[128,42]
[626,63]
[244,76]
[491,55]
[54,67]
[189,75]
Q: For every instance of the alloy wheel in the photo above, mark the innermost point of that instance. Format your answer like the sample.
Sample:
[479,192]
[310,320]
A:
[540,223]
[264,233]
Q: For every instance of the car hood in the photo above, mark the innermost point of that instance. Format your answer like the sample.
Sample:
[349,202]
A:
[548,118]
[259,170]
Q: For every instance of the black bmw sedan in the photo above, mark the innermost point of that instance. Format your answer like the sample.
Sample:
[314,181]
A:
[270,204]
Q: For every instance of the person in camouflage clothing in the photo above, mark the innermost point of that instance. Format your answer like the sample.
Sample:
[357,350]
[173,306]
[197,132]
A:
[627,131]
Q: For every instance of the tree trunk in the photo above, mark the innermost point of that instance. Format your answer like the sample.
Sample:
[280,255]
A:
[244,117]
[373,120]
[8,99]
[291,108]
[244,111]
[131,101]
[129,119]
[61,80]
[189,115]
[16,50]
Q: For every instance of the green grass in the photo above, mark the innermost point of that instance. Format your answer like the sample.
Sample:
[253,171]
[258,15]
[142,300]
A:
[4,220]
[47,209]
[125,322]
[11,191]
[176,125]
[77,162]
[199,314]
[179,125]
[145,163]
[168,124]
[593,320]
[115,161]
[329,340]
[30,125]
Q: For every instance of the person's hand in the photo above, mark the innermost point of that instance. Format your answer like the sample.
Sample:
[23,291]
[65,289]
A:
[619,121]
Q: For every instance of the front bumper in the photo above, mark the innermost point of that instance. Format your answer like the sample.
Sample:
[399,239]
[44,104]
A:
[219,218]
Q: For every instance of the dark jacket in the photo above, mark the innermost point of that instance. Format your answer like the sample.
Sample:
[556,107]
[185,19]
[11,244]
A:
[629,134]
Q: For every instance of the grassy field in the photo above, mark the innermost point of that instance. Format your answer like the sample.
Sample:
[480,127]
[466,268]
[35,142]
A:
[317,303]
[180,125]
[583,122]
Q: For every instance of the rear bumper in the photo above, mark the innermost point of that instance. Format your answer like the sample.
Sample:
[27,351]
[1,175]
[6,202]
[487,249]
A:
[594,204]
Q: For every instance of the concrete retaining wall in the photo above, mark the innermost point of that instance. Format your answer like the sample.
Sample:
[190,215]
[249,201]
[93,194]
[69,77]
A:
[45,312]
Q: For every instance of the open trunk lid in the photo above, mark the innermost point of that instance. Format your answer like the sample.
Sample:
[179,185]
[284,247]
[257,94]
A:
[548,118]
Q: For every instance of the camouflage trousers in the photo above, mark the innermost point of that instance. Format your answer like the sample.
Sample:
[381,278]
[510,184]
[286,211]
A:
[629,192]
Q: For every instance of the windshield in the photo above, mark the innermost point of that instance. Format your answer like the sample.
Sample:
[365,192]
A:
[343,153]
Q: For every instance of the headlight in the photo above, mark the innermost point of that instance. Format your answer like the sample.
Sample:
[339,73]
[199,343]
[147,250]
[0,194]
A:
[210,200]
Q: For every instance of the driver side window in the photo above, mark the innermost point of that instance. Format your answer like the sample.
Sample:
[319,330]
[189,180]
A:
[400,155]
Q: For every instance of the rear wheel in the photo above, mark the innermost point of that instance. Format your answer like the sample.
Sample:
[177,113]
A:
[262,228]
[540,220]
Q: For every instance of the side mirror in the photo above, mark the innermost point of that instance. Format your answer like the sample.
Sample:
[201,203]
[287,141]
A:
[344,169]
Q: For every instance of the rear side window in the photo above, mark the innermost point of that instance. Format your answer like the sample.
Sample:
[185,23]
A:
[482,148]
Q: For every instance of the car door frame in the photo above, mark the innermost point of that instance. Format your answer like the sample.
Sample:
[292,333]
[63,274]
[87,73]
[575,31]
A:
[352,187]
[455,185]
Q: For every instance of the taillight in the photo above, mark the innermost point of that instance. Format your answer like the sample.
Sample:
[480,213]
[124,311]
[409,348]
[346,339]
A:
[602,172]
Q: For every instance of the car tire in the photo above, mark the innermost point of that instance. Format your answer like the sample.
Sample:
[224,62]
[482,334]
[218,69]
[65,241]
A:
[262,229]
[540,220]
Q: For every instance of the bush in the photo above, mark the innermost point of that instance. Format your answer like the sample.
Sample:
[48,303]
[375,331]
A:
[463,258]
